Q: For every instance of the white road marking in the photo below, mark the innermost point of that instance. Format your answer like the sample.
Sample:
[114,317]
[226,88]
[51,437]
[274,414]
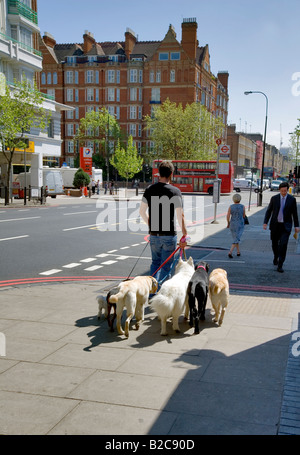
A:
[93,268]
[80,213]
[20,219]
[112,251]
[108,262]
[13,238]
[88,260]
[80,227]
[72,265]
[50,272]
[102,255]
[124,247]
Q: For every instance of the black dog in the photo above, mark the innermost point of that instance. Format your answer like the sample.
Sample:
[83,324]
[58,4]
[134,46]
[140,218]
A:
[198,289]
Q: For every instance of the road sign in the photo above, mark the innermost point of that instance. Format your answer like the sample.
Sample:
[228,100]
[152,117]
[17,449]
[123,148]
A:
[219,141]
[225,149]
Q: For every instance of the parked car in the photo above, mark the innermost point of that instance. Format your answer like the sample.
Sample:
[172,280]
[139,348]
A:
[266,183]
[275,185]
[244,184]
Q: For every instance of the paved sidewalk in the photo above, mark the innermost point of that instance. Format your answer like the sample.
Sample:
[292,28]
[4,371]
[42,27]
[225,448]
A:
[65,373]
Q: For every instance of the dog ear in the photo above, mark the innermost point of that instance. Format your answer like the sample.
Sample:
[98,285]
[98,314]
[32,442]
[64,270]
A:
[190,261]
[207,267]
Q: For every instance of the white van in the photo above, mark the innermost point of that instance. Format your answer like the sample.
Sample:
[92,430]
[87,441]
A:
[244,184]
[52,181]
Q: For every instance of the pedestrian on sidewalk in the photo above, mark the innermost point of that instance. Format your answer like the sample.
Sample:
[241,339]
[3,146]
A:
[160,202]
[236,222]
[282,212]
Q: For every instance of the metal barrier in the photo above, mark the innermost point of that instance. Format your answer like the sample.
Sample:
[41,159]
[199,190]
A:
[33,194]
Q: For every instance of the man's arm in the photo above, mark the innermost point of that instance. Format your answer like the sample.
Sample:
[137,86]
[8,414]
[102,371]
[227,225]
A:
[268,213]
[181,220]
[143,212]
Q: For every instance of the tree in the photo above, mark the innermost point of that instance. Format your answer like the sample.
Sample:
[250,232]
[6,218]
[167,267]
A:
[81,178]
[98,127]
[20,110]
[187,133]
[126,161]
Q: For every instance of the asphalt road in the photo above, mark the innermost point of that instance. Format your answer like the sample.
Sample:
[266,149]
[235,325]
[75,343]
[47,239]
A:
[86,238]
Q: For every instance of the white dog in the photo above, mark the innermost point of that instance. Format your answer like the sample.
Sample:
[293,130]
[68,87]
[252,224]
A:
[102,305]
[172,298]
[218,287]
[133,295]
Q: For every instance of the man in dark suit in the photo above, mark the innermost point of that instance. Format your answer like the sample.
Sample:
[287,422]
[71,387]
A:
[281,212]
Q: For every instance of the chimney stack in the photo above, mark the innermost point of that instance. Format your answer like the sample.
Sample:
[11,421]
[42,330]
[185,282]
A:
[88,41]
[189,40]
[49,40]
[223,78]
[130,40]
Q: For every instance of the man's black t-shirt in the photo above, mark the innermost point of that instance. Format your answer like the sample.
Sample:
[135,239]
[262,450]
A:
[162,200]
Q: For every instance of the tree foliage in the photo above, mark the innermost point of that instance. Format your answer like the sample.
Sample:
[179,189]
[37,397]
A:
[127,161]
[81,178]
[20,110]
[184,133]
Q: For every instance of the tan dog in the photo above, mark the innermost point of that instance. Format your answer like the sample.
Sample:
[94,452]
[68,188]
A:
[133,295]
[218,287]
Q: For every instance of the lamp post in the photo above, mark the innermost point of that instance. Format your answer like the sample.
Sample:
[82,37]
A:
[259,202]
[297,133]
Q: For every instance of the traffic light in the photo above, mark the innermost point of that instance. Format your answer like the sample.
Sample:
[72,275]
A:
[297,172]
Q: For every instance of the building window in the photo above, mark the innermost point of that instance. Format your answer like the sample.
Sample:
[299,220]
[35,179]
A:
[89,77]
[118,76]
[175,55]
[69,77]
[172,76]
[110,94]
[132,129]
[90,94]
[151,76]
[51,128]
[155,94]
[54,78]
[164,56]
[49,78]
[158,76]
[76,77]
[133,76]
[70,129]
[132,112]
[133,94]
[141,76]
[111,76]
[69,94]
[70,147]
[43,78]
[51,92]
[76,95]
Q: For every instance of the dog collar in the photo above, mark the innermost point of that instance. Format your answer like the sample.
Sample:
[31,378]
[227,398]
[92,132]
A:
[201,267]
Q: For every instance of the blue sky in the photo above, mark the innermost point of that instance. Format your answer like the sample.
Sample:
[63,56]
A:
[257,42]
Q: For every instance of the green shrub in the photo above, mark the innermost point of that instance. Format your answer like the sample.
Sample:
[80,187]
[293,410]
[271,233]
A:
[81,179]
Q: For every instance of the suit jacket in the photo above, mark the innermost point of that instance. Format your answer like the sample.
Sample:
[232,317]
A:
[289,212]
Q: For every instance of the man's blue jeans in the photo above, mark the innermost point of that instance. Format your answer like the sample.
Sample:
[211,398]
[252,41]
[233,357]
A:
[161,248]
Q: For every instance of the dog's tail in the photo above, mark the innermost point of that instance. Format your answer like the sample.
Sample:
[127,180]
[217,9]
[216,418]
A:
[116,297]
[214,288]
[161,304]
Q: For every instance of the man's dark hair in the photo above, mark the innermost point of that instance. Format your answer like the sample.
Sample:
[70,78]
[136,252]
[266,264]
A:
[166,168]
[284,185]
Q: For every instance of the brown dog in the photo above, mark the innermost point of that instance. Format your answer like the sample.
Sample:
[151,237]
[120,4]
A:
[218,287]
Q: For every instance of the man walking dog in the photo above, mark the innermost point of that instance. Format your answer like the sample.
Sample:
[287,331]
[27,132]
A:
[282,212]
[161,201]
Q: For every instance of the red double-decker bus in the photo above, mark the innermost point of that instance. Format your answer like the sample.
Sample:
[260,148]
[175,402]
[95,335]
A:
[192,176]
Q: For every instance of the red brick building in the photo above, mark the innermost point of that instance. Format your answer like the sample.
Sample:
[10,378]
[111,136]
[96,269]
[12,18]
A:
[129,78]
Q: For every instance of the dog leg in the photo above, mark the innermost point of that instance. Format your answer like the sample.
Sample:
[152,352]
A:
[222,315]
[163,322]
[196,331]
[127,323]
[192,308]
[119,317]
[217,313]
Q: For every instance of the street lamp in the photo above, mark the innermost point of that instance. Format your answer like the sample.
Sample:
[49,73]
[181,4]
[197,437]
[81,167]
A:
[259,202]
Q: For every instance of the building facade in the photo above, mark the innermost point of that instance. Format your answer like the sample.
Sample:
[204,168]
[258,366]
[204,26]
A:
[20,59]
[129,78]
[246,151]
